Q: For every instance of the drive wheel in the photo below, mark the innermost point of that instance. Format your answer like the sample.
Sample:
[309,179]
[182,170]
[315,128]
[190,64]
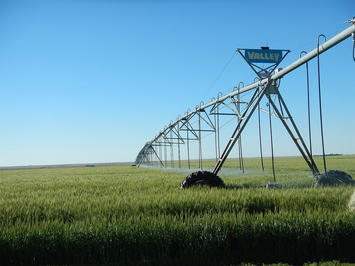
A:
[202,178]
[334,178]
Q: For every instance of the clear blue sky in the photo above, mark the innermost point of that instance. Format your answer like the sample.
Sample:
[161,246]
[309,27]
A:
[92,81]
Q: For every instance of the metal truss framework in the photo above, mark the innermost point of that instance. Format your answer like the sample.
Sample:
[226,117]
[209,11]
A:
[206,118]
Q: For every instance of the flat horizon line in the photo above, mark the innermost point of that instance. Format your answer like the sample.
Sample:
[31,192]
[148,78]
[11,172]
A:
[76,165]
[65,165]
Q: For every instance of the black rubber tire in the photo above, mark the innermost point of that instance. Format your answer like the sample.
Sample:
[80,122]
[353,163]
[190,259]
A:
[334,178]
[202,178]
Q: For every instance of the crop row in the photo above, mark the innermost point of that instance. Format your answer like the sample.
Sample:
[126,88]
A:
[80,205]
[124,215]
[204,239]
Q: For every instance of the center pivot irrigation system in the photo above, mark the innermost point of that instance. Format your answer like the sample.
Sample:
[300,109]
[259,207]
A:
[206,117]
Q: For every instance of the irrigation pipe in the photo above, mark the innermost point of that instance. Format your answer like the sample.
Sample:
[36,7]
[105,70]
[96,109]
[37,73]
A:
[319,50]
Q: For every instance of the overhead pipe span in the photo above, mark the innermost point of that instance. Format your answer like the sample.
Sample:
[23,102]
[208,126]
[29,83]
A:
[322,48]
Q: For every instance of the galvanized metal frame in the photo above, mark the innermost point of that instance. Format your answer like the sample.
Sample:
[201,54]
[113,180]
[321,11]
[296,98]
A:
[231,101]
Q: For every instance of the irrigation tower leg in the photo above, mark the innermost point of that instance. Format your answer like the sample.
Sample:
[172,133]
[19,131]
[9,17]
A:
[171,150]
[295,137]
[178,132]
[256,98]
[199,142]
[187,146]
[156,154]
[260,140]
[160,155]
[253,104]
[271,141]
[240,149]
[215,136]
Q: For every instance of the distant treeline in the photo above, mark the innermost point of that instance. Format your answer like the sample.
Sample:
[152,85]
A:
[328,154]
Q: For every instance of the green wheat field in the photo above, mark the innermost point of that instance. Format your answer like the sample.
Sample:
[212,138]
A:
[124,215]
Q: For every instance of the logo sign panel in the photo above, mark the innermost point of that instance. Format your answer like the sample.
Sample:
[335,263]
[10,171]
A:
[263,56]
